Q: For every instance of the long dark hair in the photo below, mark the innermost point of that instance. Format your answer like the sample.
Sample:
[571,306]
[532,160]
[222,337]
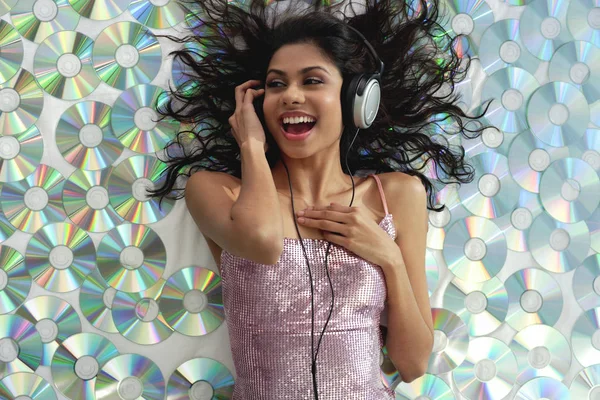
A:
[229,43]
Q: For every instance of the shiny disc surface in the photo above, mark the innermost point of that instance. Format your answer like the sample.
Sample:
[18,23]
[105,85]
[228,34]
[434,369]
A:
[163,16]
[11,51]
[26,385]
[517,224]
[543,388]
[585,337]
[586,282]
[21,100]
[15,281]
[100,9]
[586,385]
[545,30]
[189,380]
[428,385]
[578,62]
[20,345]
[95,299]
[20,154]
[38,19]
[579,23]
[451,341]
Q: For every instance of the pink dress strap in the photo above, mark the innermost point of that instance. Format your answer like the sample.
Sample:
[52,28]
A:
[381,193]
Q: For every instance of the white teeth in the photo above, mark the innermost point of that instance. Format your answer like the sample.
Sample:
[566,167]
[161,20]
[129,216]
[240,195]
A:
[297,120]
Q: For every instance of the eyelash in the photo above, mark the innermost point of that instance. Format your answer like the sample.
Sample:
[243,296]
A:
[272,83]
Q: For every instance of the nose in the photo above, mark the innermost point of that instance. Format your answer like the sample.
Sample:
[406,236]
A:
[292,95]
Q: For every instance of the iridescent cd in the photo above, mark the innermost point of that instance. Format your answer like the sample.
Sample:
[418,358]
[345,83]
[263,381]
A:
[593,223]
[192,301]
[529,157]
[15,281]
[135,121]
[541,350]
[578,62]
[504,48]
[534,297]
[493,192]
[451,341]
[588,148]
[60,256]
[6,229]
[582,22]
[130,376]
[586,385]
[475,249]
[55,320]
[482,306]
[545,30]
[11,51]
[586,282]
[21,101]
[558,113]
[6,5]
[131,257]
[162,16]
[63,65]
[183,74]
[543,388]
[200,378]
[431,272]
[127,54]
[85,199]
[138,317]
[516,225]
[585,337]
[85,138]
[427,386]
[38,19]
[78,361]
[20,345]
[511,88]
[440,221]
[100,9]
[488,372]
[26,385]
[569,190]
[35,201]
[95,299]
[127,186]
[558,246]
[20,154]
[470,19]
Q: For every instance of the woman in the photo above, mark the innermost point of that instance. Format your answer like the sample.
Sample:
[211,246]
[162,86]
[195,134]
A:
[257,169]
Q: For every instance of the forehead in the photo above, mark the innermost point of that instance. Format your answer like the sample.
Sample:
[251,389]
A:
[291,58]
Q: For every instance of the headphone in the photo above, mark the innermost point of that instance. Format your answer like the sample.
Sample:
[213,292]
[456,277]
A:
[360,99]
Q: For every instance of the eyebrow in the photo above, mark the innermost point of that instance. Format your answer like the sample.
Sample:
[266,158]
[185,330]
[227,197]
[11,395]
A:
[303,70]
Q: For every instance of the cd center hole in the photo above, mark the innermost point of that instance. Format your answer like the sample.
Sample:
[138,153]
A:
[9,147]
[579,73]
[570,189]
[559,239]
[131,257]
[485,370]
[489,185]
[510,51]
[558,114]
[139,188]
[194,301]
[475,249]
[9,350]
[539,357]
[90,135]
[130,388]
[594,18]
[61,257]
[201,390]
[47,329]
[476,302]
[45,10]
[97,197]
[146,309]
[36,198]
[86,367]
[531,301]
[440,340]
[9,100]
[68,65]
[145,118]
[127,56]
[3,279]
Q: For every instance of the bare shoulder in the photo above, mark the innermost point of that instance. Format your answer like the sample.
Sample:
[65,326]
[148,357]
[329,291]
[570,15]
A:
[406,196]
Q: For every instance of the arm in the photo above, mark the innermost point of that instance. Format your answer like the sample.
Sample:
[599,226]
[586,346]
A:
[410,326]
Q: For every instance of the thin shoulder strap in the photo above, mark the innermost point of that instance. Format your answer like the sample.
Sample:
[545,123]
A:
[381,193]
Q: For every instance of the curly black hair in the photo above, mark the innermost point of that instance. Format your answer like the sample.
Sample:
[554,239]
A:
[228,43]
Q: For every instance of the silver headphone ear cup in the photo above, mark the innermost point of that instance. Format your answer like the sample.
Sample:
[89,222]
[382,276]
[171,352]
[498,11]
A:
[365,107]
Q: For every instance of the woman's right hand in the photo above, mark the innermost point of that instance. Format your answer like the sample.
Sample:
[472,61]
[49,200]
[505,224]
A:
[244,122]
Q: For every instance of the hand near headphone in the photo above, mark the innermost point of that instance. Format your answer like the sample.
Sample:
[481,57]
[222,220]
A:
[357,231]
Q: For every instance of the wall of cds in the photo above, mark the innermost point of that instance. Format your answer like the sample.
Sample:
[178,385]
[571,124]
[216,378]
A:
[105,295]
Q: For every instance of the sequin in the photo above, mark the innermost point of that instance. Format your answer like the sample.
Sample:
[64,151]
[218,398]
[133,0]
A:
[268,315]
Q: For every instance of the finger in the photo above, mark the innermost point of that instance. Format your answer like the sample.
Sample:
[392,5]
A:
[340,208]
[325,225]
[240,92]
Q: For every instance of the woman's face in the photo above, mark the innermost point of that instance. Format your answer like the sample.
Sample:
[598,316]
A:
[315,92]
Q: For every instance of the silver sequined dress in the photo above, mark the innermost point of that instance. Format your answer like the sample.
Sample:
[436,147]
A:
[268,315]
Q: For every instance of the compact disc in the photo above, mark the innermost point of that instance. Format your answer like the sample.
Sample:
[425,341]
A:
[95,299]
[588,148]
[451,341]
[585,337]
[469,19]
[558,113]
[11,51]
[130,376]
[516,224]
[192,301]
[387,370]
[138,317]
[529,157]
[126,54]
[586,385]
[440,221]
[545,30]
[38,19]
[20,154]
[504,47]
[541,350]
[15,281]
[493,191]
[569,190]
[127,184]
[593,223]
[543,388]
[558,246]
[6,5]
[55,320]
[168,14]
[78,361]
[511,88]
[60,256]
[489,371]
[475,249]
[426,386]
[86,202]
[183,75]
[35,201]
[200,378]
[482,306]
[582,20]
[100,9]
[20,345]
[534,297]
[85,137]
[431,272]
[26,385]
[6,229]
[131,257]
[586,282]
[21,100]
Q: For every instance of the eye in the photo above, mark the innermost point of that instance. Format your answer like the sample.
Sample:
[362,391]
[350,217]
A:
[273,83]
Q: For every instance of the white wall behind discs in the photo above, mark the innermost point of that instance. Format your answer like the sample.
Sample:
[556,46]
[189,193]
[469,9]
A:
[99,289]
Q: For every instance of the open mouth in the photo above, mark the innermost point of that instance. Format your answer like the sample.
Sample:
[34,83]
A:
[298,129]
